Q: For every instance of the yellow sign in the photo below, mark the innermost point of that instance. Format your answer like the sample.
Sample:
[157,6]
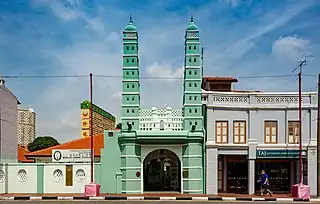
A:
[85,123]
[85,133]
[85,113]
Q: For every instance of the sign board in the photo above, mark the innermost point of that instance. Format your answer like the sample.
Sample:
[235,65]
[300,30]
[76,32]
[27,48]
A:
[280,153]
[71,155]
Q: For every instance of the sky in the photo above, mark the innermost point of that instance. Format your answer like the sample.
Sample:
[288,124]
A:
[241,38]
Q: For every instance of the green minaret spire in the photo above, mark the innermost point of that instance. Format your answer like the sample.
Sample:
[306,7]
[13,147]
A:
[130,80]
[192,105]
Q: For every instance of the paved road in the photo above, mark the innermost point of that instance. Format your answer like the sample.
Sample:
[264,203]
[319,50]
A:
[136,202]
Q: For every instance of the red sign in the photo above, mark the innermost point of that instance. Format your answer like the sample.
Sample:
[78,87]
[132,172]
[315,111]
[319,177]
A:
[138,174]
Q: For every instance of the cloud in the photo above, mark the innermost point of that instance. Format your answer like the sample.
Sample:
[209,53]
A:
[165,71]
[71,10]
[236,3]
[290,47]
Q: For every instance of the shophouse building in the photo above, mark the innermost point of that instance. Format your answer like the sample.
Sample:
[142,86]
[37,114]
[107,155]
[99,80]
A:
[252,131]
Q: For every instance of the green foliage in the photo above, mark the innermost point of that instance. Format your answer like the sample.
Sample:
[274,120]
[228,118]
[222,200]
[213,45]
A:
[42,142]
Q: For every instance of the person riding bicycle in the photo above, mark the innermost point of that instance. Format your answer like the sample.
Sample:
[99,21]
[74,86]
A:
[264,183]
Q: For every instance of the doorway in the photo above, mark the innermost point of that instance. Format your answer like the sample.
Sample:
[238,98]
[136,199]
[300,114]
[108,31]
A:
[162,171]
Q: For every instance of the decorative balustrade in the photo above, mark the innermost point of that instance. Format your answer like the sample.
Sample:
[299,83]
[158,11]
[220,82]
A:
[161,119]
[257,99]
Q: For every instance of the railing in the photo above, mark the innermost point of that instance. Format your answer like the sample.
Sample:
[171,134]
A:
[235,98]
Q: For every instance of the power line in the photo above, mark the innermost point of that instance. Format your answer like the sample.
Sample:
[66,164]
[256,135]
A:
[141,77]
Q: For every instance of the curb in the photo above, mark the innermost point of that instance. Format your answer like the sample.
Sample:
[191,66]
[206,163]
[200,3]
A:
[157,198]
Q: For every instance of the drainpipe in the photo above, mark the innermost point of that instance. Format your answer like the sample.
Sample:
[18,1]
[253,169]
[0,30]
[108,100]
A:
[204,158]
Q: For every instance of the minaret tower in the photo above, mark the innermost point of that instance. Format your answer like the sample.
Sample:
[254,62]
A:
[130,80]
[192,106]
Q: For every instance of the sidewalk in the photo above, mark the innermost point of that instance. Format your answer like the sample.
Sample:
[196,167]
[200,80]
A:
[154,196]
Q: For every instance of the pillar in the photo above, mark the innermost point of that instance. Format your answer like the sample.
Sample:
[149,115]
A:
[212,169]
[312,170]
[292,172]
[251,176]
[252,155]
[225,173]
[193,164]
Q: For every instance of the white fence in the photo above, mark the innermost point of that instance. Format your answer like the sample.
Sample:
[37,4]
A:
[44,178]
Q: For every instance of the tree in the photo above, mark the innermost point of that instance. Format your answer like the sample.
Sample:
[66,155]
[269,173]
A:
[119,125]
[42,142]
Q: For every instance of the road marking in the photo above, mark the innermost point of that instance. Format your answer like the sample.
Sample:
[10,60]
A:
[135,198]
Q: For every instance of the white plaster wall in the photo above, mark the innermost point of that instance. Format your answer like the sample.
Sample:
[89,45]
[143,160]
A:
[146,149]
[3,183]
[16,186]
[52,186]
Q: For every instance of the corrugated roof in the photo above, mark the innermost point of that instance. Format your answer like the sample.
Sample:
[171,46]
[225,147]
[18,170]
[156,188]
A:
[83,143]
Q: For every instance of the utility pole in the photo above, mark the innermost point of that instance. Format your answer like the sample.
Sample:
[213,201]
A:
[91,128]
[0,134]
[318,139]
[302,63]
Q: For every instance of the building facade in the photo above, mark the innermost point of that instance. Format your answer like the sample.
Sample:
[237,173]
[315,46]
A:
[26,126]
[157,149]
[8,124]
[102,120]
[250,132]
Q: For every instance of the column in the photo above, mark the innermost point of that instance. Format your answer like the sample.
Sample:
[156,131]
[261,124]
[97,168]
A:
[225,173]
[292,173]
[252,155]
[251,176]
[193,163]
[212,170]
[312,170]
[130,165]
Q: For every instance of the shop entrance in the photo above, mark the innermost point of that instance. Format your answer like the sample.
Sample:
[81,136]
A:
[162,171]
[237,175]
[278,172]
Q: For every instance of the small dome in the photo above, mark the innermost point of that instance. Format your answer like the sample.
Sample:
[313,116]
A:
[154,108]
[192,25]
[130,26]
[169,108]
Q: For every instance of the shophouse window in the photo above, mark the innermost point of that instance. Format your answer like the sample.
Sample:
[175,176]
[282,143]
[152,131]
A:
[221,132]
[239,132]
[293,132]
[270,132]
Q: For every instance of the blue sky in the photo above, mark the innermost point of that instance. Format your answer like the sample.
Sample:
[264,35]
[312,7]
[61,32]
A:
[73,37]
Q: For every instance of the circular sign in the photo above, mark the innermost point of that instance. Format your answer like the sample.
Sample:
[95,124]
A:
[57,155]
[138,174]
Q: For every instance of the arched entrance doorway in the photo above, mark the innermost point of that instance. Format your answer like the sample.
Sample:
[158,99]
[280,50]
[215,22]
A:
[162,171]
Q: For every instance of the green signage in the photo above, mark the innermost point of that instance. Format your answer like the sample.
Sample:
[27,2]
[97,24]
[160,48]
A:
[280,153]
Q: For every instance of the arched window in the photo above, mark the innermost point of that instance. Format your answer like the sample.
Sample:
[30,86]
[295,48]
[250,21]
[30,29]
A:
[161,125]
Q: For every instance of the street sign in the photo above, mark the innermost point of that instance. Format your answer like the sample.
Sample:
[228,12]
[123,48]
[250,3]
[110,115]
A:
[71,155]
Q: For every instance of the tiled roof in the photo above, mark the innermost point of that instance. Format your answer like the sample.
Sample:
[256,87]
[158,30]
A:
[226,79]
[83,143]
[22,151]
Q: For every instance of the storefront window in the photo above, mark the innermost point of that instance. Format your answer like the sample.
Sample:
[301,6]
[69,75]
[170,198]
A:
[278,172]
[237,181]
